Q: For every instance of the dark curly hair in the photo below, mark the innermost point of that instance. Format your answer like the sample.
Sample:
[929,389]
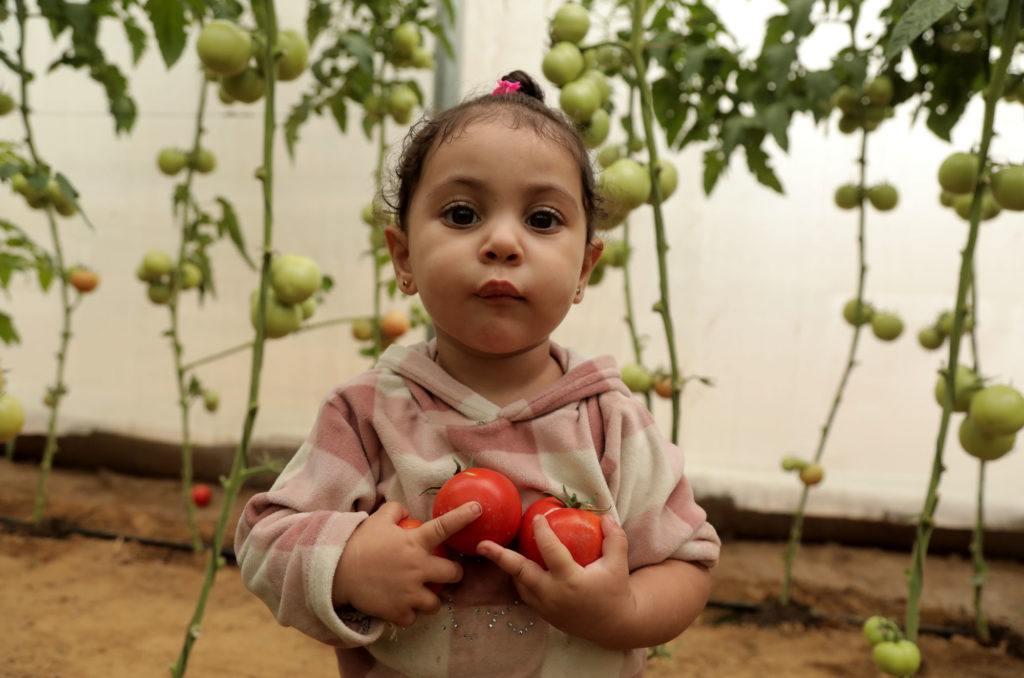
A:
[524,107]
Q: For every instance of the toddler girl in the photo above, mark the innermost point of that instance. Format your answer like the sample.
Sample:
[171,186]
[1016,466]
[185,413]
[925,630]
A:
[495,209]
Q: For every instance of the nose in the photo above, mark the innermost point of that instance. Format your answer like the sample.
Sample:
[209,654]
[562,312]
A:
[501,242]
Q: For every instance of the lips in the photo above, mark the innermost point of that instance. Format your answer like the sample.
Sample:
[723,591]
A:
[498,289]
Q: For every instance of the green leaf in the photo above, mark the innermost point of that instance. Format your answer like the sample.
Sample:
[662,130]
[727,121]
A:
[714,164]
[339,110]
[800,17]
[228,223]
[168,19]
[995,11]
[8,334]
[136,37]
[757,162]
[918,18]
[775,119]
[317,19]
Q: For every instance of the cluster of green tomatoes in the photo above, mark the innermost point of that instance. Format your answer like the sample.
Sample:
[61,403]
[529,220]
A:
[995,413]
[585,97]
[1002,186]
[235,57]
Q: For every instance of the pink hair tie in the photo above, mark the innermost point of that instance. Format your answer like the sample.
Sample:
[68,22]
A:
[506,87]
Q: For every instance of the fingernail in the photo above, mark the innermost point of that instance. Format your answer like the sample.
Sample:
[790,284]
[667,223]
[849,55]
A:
[476,507]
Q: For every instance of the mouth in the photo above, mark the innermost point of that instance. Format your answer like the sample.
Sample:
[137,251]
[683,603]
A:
[498,289]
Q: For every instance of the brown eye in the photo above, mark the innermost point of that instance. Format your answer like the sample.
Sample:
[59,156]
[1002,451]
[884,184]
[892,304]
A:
[460,215]
[543,220]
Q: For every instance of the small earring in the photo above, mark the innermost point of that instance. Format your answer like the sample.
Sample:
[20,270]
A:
[405,283]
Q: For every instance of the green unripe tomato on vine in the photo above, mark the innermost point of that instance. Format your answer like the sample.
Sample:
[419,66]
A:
[402,100]
[847,196]
[211,401]
[596,130]
[846,99]
[6,103]
[668,179]
[883,197]
[998,410]
[878,629]
[981,446]
[156,264]
[405,38]
[958,173]
[886,326]
[930,338]
[248,86]
[625,185]
[12,417]
[637,378]
[607,155]
[858,316]
[191,275]
[170,161]
[966,385]
[1008,188]
[294,55]
[308,308]
[812,474]
[563,64]
[570,23]
[989,208]
[850,122]
[879,90]
[203,162]
[580,99]
[282,318]
[599,79]
[159,292]
[294,277]
[224,47]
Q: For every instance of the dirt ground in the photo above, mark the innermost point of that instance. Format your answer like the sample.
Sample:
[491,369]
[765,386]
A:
[87,607]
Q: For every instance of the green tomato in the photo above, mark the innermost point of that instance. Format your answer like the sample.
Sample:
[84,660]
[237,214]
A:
[563,63]
[896,657]
[570,23]
[294,277]
[402,100]
[930,338]
[846,99]
[850,122]
[191,275]
[977,444]
[967,384]
[247,86]
[282,318]
[170,161]
[989,208]
[224,47]
[596,130]
[883,197]
[156,264]
[1008,188]
[624,185]
[637,378]
[580,99]
[858,316]
[599,79]
[958,173]
[847,196]
[159,292]
[308,308]
[879,90]
[886,326]
[294,55]
[878,629]
[615,253]
[405,38]
[204,161]
[211,401]
[12,417]
[668,179]
[6,103]
[998,410]
[607,155]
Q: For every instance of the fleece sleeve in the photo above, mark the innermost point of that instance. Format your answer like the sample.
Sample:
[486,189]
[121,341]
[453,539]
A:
[652,496]
[289,539]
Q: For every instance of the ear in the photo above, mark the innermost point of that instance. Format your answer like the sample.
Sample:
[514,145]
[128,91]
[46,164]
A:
[398,246]
[590,256]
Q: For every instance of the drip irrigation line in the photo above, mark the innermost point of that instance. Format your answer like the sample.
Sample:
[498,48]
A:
[57,529]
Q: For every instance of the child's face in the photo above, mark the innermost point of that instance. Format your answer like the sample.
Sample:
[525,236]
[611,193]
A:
[496,239]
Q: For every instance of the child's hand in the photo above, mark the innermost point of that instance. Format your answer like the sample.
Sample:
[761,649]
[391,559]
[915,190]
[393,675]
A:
[384,568]
[577,600]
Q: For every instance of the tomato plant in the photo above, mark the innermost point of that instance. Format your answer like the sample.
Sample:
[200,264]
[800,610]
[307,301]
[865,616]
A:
[224,47]
[998,410]
[498,497]
[886,326]
[578,528]
[441,550]
[294,277]
[981,445]
[12,417]
[1008,188]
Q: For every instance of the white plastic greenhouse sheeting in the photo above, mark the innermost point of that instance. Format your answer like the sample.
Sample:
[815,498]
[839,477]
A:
[757,282]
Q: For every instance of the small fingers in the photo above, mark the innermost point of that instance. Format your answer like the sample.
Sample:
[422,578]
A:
[444,526]
[393,511]
[556,556]
[516,565]
[615,546]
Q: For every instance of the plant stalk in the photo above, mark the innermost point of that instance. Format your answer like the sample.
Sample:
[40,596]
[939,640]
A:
[234,482]
[925,524]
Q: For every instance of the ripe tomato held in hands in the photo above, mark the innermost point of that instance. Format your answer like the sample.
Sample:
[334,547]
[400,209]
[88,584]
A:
[441,551]
[577,528]
[497,496]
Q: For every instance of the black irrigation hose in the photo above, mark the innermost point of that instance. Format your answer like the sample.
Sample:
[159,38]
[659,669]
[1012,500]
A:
[59,529]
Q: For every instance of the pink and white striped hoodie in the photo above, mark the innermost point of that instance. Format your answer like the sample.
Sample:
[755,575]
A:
[392,432]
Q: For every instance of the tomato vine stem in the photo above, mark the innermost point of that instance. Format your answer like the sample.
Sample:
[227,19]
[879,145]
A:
[925,524]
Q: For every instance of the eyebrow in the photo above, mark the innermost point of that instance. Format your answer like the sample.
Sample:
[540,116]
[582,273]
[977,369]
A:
[474,183]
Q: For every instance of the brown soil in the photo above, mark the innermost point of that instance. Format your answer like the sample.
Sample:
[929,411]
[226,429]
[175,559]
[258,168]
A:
[89,607]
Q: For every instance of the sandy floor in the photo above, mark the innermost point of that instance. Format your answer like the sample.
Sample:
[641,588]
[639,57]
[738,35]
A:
[84,607]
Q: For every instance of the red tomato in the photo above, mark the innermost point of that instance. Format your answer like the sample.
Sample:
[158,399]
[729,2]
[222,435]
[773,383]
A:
[579,529]
[497,495]
[201,495]
[441,551]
